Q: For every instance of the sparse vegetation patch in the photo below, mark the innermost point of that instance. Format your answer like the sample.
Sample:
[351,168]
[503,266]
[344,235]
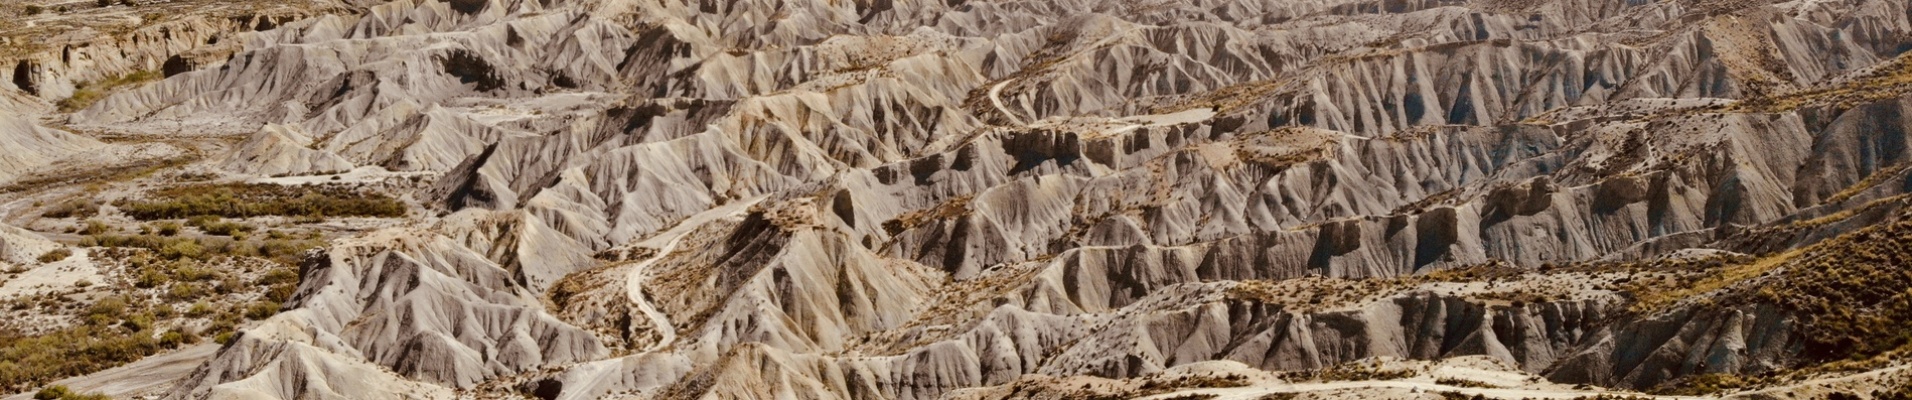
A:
[1855,292]
[72,208]
[110,335]
[92,92]
[154,304]
[1458,382]
[55,255]
[1355,371]
[280,248]
[1703,385]
[61,392]
[259,200]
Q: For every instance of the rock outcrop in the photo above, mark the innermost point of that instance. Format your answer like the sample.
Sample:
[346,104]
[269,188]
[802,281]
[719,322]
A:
[279,150]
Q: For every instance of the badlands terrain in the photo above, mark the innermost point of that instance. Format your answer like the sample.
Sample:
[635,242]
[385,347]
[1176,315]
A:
[955,199]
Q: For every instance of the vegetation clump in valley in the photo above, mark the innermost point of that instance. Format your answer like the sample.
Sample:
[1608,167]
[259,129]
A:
[276,246]
[147,304]
[195,271]
[72,208]
[61,392]
[92,92]
[261,200]
[1138,387]
[1354,371]
[55,255]
[1705,385]
[112,332]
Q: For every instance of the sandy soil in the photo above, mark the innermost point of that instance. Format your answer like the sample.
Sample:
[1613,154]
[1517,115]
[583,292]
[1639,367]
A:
[56,277]
[1506,382]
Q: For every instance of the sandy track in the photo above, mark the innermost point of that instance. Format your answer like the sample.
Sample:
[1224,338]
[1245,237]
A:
[670,239]
[995,97]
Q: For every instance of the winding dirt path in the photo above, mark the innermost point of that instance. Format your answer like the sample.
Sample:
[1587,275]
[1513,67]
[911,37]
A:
[640,272]
[995,97]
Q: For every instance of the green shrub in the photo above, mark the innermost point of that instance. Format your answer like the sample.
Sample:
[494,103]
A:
[138,322]
[226,320]
[182,249]
[280,284]
[288,252]
[228,284]
[35,9]
[199,309]
[261,309]
[91,92]
[167,228]
[60,392]
[177,337]
[190,271]
[151,278]
[95,228]
[279,276]
[82,98]
[105,311]
[55,255]
[54,392]
[73,208]
[184,291]
[280,293]
[224,228]
[201,220]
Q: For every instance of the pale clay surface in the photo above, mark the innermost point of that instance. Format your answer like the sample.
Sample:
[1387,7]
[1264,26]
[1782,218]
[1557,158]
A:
[874,199]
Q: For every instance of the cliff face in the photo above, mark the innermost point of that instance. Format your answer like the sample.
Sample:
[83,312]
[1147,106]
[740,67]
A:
[877,199]
[1648,351]
[54,58]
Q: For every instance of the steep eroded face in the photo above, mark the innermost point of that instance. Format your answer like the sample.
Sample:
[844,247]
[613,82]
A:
[585,199]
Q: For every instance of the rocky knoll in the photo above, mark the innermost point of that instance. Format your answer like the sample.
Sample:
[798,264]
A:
[878,199]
